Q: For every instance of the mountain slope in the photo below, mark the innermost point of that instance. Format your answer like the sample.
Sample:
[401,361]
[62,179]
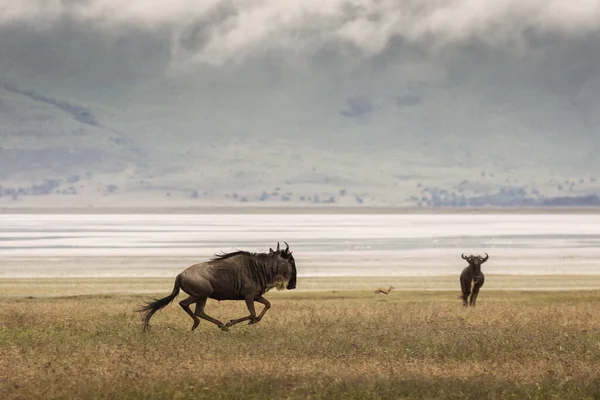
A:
[109,119]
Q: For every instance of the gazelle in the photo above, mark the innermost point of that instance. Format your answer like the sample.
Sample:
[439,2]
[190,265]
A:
[384,291]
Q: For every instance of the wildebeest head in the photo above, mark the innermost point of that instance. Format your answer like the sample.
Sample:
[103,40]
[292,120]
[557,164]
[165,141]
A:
[286,254]
[475,261]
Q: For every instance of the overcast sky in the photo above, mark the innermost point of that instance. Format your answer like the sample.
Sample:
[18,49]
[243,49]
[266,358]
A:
[233,30]
[384,68]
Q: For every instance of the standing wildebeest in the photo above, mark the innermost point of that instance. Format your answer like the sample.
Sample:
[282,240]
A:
[235,276]
[472,279]
[384,291]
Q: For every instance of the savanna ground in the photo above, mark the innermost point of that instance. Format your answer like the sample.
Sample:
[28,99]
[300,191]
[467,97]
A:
[326,342]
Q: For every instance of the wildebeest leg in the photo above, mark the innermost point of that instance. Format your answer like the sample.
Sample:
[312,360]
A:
[477,284]
[465,299]
[200,304]
[185,304]
[267,304]
[473,300]
[252,316]
[465,286]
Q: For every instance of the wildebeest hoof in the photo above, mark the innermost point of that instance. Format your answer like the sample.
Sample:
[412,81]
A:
[253,321]
[225,328]
[195,325]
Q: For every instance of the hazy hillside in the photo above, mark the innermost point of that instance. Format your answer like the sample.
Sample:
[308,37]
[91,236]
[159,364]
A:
[91,115]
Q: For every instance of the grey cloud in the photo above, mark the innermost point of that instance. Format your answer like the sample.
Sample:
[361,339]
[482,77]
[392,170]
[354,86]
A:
[217,32]
[357,107]
[408,99]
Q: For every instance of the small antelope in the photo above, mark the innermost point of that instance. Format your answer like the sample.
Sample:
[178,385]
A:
[384,291]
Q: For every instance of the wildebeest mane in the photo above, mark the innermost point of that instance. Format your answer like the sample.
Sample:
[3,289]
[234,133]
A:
[263,268]
[224,255]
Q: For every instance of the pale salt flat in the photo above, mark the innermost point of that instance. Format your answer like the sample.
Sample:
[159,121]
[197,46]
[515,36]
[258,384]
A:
[352,245]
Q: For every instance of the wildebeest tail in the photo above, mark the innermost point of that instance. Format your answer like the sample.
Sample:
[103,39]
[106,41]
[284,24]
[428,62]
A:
[150,308]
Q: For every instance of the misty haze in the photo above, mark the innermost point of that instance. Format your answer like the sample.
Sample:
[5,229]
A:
[306,103]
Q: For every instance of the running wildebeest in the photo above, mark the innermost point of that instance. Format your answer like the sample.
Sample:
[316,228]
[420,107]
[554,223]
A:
[384,291]
[472,279]
[239,275]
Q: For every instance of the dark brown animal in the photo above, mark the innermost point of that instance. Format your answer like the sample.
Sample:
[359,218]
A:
[235,276]
[472,279]
[384,291]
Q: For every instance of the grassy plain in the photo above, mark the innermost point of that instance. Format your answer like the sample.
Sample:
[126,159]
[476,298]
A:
[329,344]
[49,287]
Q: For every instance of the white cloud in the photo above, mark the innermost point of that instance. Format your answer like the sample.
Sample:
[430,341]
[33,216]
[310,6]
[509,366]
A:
[233,30]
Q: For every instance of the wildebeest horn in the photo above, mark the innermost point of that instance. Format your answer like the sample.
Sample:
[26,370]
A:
[277,246]
[486,258]
[463,256]
[287,247]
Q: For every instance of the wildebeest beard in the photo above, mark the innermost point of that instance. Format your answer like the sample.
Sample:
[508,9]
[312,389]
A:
[270,272]
[286,254]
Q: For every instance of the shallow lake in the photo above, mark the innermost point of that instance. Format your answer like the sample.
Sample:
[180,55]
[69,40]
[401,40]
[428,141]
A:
[324,245]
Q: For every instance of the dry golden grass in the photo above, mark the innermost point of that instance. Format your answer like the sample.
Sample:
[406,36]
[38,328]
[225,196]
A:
[44,287]
[348,344]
